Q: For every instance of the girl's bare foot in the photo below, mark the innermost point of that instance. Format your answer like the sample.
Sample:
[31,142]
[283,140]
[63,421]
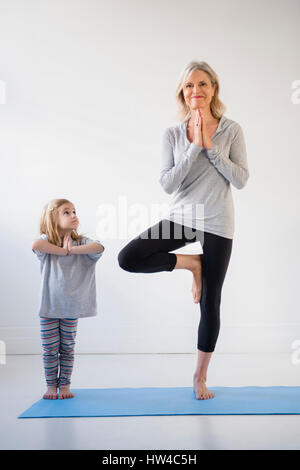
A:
[65,392]
[200,389]
[51,393]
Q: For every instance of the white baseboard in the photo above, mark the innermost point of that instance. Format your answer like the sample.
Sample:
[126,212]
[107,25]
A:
[242,338]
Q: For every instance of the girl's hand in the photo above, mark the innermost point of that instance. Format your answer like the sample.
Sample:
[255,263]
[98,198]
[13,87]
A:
[207,143]
[70,246]
[66,244]
[198,130]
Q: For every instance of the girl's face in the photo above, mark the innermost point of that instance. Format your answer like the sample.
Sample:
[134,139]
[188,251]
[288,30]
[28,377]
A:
[67,218]
[198,90]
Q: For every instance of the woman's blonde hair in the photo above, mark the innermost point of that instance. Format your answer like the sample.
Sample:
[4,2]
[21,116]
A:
[49,224]
[217,108]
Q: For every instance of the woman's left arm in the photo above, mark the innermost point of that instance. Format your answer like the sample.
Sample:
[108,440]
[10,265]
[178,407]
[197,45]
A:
[235,168]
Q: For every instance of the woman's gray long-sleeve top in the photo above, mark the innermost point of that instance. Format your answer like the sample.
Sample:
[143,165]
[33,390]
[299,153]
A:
[199,179]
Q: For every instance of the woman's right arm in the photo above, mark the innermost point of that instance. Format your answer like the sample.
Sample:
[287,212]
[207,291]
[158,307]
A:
[46,247]
[171,175]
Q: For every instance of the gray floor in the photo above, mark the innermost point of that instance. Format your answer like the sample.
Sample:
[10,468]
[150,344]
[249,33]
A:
[22,384]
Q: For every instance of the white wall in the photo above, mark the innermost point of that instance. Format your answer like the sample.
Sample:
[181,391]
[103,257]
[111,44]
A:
[90,87]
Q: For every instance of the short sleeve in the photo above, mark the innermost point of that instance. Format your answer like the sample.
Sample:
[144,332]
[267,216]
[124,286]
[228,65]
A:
[41,254]
[92,256]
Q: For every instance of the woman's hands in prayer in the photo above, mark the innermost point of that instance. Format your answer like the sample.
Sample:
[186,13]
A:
[201,136]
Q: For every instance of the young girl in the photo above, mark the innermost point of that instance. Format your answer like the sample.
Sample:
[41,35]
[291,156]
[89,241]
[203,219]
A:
[68,290]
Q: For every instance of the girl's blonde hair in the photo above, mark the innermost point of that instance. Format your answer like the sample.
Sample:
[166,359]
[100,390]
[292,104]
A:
[217,108]
[49,224]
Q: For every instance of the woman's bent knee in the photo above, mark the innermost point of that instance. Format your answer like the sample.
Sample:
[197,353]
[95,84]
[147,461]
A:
[126,261]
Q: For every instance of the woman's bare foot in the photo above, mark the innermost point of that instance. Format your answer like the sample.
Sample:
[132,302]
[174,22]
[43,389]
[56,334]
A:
[197,279]
[51,393]
[197,287]
[194,264]
[200,389]
[65,392]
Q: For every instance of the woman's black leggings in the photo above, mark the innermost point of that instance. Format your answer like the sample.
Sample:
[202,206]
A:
[148,253]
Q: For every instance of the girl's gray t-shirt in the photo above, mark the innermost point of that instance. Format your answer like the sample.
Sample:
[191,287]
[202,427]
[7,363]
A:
[68,284]
[199,179]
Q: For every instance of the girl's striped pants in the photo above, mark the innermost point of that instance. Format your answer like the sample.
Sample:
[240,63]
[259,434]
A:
[58,341]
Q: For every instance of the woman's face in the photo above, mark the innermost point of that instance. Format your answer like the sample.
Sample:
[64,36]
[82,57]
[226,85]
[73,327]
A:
[198,90]
[67,218]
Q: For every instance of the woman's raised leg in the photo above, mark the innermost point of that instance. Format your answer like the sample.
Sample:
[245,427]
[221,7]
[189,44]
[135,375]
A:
[149,252]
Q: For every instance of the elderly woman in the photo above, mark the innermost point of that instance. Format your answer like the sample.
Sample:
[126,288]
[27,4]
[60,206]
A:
[201,156]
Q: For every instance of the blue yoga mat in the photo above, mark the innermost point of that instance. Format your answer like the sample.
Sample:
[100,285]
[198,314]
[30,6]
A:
[168,401]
